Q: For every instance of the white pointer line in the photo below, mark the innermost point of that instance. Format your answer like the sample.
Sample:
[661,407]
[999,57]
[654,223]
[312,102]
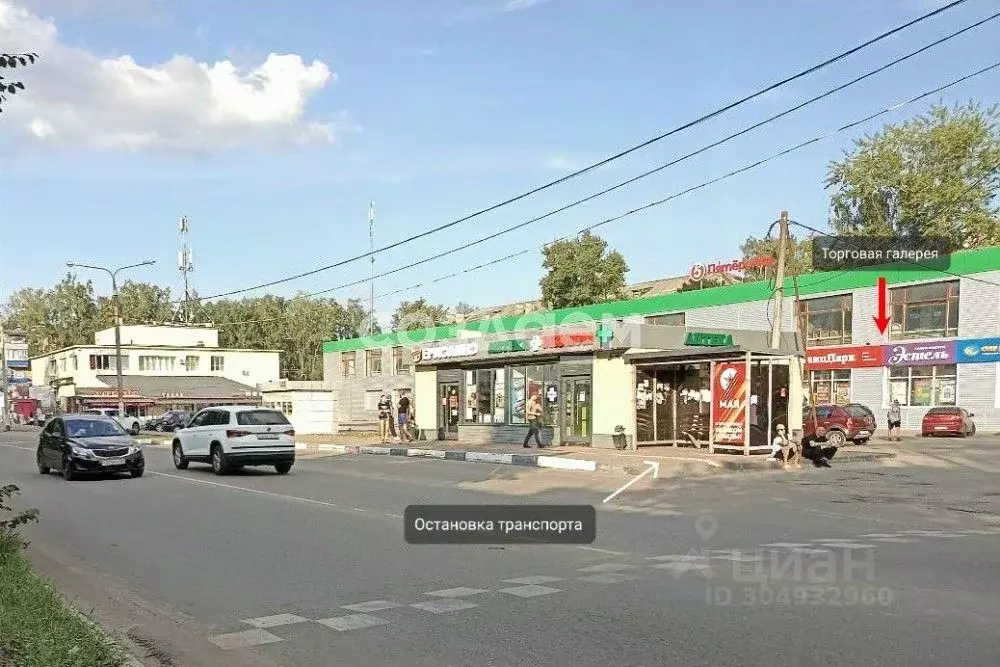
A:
[654,467]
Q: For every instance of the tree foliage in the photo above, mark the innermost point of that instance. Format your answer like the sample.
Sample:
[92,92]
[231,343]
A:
[9,85]
[69,314]
[706,283]
[798,256]
[581,272]
[935,175]
[419,314]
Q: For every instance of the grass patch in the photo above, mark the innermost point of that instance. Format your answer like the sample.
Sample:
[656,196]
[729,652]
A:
[37,628]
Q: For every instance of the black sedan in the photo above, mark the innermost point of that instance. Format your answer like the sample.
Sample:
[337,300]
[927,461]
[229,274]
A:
[76,445]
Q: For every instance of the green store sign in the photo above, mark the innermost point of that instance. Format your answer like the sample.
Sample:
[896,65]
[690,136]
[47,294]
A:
[507,346]
[702,339]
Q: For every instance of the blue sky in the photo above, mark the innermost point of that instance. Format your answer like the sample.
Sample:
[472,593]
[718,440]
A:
[438,108]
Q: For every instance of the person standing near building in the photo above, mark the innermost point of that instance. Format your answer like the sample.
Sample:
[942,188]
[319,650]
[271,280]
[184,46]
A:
[384,416]
[533,411]
[895,417]
[404,419]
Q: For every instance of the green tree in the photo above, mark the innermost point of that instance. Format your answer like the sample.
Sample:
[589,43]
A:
[935,175]
[8,85]
[140,303]
[464,308]
[709,281]
[581,272]
[419,314]
[55,318]
[798,256]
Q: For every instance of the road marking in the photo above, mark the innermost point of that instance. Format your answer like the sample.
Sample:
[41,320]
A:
[537,579]
[609,578]
[530,591]
[374,605]
[686,558]
[243,639]
[352,622]
[269,494]
[607,567]
[456,592]
[275,621]
[27,449]
[605,551]
[359,509]
[395,516]
[444,606]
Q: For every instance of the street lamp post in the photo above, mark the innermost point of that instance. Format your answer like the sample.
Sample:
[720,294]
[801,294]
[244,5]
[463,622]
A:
[118,321]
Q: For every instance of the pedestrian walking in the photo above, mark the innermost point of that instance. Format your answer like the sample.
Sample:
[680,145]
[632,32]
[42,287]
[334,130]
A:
[404,419]
[533,411]
[384,416]
[895,418]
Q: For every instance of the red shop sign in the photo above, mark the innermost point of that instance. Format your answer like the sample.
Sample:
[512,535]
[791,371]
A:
[568,340]
[855,356]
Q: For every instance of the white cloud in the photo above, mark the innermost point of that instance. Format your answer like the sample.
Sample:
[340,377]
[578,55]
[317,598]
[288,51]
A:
[75,98]
[562,163]
[517,5]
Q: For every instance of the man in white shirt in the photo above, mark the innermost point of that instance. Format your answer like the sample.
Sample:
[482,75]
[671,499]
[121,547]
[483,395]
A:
[789,450]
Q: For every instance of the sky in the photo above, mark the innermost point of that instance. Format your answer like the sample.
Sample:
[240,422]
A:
[271,126]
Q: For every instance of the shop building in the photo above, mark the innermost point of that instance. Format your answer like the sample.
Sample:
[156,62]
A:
[310,406]
[942,347]
[164,367]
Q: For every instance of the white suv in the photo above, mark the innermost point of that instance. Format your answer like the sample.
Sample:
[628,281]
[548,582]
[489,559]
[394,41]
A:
[130,424]
[232,436]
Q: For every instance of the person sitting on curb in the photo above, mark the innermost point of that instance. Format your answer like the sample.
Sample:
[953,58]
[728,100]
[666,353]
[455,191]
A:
[789,449]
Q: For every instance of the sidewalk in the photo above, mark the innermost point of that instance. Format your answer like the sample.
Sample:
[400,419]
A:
[673,461]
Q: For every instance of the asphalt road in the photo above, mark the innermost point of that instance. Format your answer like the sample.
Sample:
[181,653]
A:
[868,565]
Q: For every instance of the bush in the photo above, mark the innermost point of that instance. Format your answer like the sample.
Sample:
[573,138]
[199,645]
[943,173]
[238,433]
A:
[10,537]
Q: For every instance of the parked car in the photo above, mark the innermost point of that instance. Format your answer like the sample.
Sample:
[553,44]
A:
[867,411]
[836,424]
[76,445]
[948,421]
[130,424]
[170,422]
[230,437]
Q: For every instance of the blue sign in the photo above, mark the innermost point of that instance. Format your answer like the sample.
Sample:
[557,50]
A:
[978,350]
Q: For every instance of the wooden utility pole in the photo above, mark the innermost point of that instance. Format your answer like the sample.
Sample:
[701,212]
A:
[779,280]
[802,327]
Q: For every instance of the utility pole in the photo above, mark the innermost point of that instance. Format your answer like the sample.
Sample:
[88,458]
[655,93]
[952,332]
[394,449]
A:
[118,321]
[802,328]
[779,280]
[185,264]
[4,388]
[371,242]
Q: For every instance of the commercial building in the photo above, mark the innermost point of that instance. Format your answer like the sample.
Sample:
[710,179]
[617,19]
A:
[311,407]
[16,363]
[164,367]
[942,347]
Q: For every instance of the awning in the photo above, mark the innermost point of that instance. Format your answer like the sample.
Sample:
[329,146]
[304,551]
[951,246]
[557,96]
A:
[183,388]
[677,356]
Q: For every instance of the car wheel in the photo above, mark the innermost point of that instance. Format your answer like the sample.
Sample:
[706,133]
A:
[68,469]
[282,468]
[836,438]
[180,462]
[137,471]
[42,468]
[972,431]
[219,466]
[861,441]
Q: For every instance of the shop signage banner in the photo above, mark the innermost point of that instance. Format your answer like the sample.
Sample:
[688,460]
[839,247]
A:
[920,354]
[106,393]
[978,350]
[579,339]
[729,396]
[705,339]
[449,351]
[850,356]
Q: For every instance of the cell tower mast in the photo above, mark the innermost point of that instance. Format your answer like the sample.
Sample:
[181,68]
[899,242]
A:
[185,264]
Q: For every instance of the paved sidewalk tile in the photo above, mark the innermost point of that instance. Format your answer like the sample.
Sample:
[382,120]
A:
[352,622]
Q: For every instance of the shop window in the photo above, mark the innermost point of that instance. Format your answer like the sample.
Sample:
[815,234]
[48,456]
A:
[485,396]
[671,320]
[924,311]
[830,387]
[156,363]
[828,319]
[399,365]
[218,364]
[348,363]
[373,362]
[528,380]
[191,363]
[923,385]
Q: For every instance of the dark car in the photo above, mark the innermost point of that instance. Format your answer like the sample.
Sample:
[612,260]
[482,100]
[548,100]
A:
[948,421]
[836,424]
[170,422]
[76,445]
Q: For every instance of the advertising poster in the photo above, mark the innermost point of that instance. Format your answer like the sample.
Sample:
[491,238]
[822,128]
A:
[729,396]
[920,354]
[978,350]
[845,356]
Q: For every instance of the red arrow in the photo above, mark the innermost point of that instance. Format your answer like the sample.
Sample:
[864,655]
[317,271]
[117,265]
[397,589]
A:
[882,320]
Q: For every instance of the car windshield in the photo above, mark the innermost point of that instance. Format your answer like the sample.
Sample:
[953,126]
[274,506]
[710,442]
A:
[92,428]
[260,418]
[858,412]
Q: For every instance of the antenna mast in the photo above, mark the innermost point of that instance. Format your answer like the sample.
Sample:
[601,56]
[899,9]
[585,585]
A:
[185,264]
[371,241]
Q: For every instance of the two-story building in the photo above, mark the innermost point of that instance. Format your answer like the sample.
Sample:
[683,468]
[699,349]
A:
[16,362]
[164,367]
[942,347]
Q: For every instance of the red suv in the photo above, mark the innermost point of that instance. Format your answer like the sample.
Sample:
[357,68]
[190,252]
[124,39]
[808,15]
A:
[836,424]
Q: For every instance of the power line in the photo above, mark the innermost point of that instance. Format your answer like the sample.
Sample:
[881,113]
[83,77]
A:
[659,202]
[609,159]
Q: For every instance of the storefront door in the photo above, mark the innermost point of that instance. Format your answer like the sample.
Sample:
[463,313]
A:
[448,405]
[577,414]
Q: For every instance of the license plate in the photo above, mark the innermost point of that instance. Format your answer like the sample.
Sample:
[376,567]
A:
[940,428]
[267,436]
[113,462]
[863,434]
